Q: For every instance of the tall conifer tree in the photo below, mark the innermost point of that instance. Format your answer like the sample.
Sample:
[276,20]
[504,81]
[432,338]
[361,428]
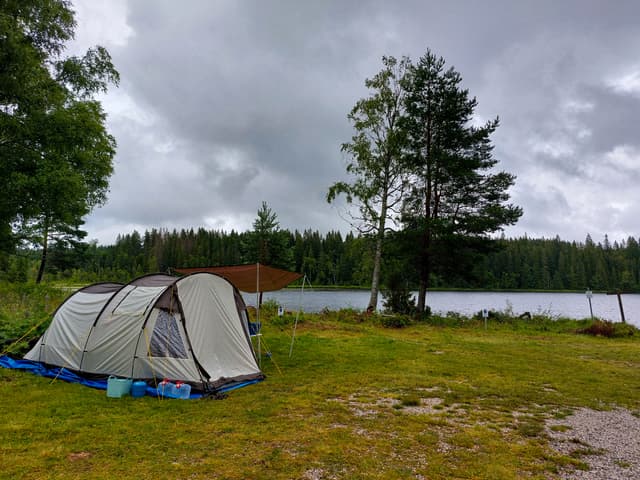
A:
[456,197]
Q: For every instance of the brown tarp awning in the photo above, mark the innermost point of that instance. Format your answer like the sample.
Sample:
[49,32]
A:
[247,277]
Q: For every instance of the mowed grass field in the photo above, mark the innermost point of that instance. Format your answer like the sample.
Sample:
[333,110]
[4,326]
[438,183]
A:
[354,401]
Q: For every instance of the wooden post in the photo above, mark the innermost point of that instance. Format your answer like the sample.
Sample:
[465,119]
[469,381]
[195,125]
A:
[589,295]
[619,294]
[621,309]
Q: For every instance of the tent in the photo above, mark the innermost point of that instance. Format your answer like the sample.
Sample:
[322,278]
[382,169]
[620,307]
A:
[192,328]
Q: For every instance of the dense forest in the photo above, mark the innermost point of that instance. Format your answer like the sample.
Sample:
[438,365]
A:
[337,260]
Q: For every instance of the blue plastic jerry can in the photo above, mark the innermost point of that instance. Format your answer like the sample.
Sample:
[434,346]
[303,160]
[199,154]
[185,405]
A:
[183,390]
[166,389]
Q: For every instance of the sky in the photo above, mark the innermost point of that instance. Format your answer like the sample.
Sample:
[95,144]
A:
[225,104]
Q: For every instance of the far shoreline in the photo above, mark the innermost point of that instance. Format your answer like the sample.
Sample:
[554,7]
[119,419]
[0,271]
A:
[453,289]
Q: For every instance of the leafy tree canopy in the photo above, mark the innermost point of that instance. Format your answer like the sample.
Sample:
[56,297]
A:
[375,159]
[56,153]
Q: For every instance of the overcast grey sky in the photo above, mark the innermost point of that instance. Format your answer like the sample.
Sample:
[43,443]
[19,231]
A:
[224,104]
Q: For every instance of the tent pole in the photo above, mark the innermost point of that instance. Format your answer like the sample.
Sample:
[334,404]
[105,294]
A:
[295,324]
[258,305]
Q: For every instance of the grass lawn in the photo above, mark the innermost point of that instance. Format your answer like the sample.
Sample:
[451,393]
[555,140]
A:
[355,401]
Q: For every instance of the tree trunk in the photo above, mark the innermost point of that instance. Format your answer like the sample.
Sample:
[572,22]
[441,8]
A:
[423,285]
[382,222]
[425,266]
[375,278]
[43,259]
[425,260]
[422,296]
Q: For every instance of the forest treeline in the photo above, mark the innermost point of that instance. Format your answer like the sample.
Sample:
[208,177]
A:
[344,260]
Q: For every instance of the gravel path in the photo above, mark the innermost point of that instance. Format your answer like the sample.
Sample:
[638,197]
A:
[609,442]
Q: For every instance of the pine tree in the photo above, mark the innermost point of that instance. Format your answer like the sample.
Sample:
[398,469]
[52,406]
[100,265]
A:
[455,194]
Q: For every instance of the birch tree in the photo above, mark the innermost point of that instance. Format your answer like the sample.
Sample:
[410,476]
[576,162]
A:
[375,165]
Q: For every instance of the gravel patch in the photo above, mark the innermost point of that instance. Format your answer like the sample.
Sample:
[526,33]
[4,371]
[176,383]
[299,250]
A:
[609,442]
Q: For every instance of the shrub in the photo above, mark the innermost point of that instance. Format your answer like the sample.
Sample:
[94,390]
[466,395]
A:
[424,316]
[605,328]
[624,330]
[269,308]
[599,328]
[395,321]
[499,316]
[398,298]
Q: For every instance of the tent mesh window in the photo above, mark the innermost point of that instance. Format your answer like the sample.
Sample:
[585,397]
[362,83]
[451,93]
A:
[166,340]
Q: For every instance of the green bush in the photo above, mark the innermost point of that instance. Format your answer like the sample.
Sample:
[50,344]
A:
[624,330]
[395,321]
[424,316]
[269,308]
[398,297]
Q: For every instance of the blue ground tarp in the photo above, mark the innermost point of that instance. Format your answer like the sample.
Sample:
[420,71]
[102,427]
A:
[60,373]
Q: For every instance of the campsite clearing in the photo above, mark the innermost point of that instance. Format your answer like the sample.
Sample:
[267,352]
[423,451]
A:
[354,401]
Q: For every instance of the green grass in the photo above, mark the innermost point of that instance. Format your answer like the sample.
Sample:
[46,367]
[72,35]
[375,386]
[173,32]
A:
[355,401]
[24,313]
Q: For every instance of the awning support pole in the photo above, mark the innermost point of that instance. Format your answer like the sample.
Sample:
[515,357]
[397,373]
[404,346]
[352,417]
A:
[295,324]
[258,305]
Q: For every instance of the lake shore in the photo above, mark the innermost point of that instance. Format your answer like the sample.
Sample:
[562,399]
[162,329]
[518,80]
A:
[469,303]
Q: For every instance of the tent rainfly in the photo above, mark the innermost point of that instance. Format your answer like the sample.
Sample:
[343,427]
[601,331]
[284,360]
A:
[193,328]
[252,278]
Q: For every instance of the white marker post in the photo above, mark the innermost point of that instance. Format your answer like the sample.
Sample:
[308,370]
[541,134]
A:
[485,315]
[589,294]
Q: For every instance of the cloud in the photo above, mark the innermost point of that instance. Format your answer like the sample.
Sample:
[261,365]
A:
[101,22]
[225,104]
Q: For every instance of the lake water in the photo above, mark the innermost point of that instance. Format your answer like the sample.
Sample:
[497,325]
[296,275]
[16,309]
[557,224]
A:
[571,305]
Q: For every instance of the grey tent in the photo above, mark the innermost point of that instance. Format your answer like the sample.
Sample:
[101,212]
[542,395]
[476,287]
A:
[192,328]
